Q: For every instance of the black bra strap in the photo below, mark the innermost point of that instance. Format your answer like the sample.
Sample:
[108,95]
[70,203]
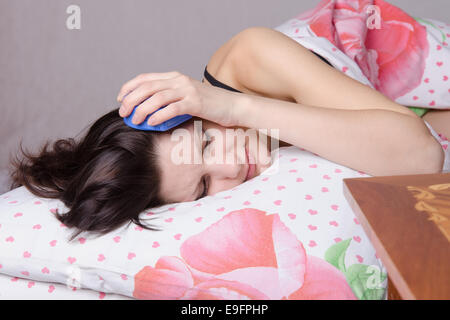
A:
[322,58]
[217,83]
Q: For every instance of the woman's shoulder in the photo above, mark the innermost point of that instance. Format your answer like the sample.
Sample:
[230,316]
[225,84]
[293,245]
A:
[222,64]
[219,65]
[242,63]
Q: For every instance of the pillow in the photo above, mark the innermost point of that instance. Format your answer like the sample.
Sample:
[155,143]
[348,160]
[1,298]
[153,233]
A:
[13,288]
[285,234]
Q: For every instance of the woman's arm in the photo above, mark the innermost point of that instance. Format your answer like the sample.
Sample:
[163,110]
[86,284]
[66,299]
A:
[267,62]
[330,114]
[377,142]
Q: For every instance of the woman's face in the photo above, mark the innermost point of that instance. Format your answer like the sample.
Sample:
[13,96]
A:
[193,167]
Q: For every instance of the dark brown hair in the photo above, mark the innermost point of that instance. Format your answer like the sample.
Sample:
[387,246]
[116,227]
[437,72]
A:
[106,179]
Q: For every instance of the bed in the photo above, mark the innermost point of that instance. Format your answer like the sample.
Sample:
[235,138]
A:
[291,225]
[288,233]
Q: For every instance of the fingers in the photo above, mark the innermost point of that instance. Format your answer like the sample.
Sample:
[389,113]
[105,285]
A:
[144,91]
[138,80]
[155,102]
[165,114]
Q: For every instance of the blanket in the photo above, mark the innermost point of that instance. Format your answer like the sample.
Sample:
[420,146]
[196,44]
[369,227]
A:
[406,58]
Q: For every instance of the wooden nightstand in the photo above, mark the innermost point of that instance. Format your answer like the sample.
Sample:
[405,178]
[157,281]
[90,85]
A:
[407,219]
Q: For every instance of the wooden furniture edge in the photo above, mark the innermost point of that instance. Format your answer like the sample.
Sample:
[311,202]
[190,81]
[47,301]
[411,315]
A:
[401,286]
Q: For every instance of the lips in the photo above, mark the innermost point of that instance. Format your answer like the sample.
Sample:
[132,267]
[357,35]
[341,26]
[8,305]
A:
[251,168]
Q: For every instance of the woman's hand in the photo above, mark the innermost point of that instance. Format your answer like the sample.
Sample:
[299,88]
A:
[181,94]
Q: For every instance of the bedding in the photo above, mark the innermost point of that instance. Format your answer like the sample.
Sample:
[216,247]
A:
[14,288]
[381,46]
[445,144]
[285,234]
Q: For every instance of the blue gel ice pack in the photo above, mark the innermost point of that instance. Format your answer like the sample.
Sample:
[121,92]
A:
[164,126]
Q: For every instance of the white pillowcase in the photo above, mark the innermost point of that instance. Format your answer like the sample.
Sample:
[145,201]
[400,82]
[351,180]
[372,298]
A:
[212,247]
[13,288]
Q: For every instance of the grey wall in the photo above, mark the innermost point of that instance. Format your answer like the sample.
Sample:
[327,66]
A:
[54,82]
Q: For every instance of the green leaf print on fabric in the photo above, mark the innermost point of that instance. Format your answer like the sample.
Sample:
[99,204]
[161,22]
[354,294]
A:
[444,37]
[336,254]
[366,281]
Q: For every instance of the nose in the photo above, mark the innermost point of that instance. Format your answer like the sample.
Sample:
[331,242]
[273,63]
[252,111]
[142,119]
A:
[227,170]
[224,176]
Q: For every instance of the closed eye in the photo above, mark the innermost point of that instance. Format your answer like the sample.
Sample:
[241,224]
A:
[205,185]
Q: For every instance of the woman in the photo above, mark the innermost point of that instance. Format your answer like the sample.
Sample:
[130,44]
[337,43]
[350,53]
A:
[116,172]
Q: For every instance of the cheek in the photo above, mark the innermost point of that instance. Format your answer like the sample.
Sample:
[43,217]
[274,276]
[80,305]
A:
[220,185]
[217,154]
[229,143]
[260,149]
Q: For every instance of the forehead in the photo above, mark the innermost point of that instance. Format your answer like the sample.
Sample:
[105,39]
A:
[177,152]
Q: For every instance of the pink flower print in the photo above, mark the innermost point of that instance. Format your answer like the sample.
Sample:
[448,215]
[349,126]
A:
[245,254]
